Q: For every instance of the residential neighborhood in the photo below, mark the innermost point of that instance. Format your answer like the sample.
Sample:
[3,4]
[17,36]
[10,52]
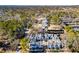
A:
[39,29]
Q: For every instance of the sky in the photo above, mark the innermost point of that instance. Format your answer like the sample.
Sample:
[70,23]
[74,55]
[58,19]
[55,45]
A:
[39,2]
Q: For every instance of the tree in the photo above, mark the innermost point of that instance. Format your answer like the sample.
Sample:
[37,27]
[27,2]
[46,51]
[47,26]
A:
[24,43]
[11,30]
[71,37]
[54,19]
